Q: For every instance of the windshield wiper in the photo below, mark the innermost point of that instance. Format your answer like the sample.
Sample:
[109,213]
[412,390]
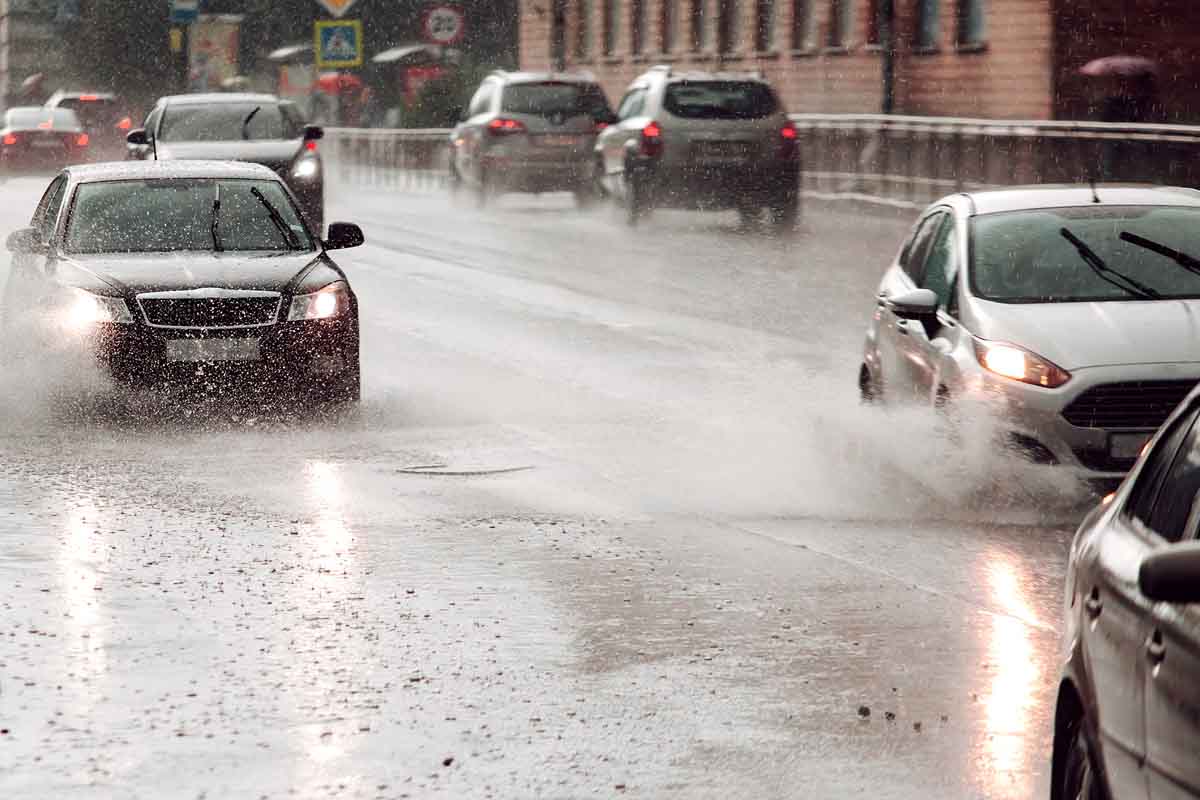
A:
[246,122]
[215,227]
[1190,263]
[1107,273]
[289,236]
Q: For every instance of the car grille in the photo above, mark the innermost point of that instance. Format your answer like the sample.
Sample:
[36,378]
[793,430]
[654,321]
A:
[1132,404]
[210,309]
[1101,461]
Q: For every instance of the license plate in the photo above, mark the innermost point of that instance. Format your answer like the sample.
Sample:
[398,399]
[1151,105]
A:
[1127,445]
[192,350]
[47,144]
[559,141]
[724,149]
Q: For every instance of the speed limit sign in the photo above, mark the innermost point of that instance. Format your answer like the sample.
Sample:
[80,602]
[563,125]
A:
[444,25]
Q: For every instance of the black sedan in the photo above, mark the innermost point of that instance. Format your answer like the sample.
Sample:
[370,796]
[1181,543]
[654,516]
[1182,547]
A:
[1127,721]
[35,138]
[164,270]
[259,128]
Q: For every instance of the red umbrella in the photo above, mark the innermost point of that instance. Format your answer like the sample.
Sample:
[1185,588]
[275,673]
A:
[337,82]
[1119,67]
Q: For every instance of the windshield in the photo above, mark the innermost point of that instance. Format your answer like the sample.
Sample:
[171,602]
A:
[211,122]
[31,118]
[550,99]
[720,100]
[1023,256]
[174,215]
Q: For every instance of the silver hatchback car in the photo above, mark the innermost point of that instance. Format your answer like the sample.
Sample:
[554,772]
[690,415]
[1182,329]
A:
[530,132]
[1075,311]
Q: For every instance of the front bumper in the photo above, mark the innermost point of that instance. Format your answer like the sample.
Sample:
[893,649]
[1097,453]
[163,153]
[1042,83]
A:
[1034,417]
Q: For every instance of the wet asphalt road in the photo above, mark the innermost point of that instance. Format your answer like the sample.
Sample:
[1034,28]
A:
[609,523]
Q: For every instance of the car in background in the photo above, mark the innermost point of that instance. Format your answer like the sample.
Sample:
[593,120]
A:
[530,132]
[1127,716]
[259,128]
[164,270]
[105,118]
[1071,310]
[702,140]
[36,139]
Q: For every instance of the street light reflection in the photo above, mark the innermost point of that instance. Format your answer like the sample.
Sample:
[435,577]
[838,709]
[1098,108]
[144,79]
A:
[80,560]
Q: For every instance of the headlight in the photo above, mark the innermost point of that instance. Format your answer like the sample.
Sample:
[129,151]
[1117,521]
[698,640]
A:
[306,168]
[332,301]
[1020,364]
[88,309]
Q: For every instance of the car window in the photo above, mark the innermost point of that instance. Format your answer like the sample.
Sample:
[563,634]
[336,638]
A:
[47,210]
[163,215]
[1144,496]
[632,104]
[210,122]
[941,264]
[554,99]
[1176,503]
[720,100]
[481,103]
[94,111]
[912,260]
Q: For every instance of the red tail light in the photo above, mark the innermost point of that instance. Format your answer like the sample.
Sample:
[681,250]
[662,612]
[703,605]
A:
[601,126]
[46,125]
[83,140]
[10,139]
[125,124]
[652,143]
[311,146]
[502,127]
[88,98]
[787,140]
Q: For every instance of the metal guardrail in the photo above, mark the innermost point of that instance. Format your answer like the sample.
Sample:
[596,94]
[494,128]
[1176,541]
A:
[904,161]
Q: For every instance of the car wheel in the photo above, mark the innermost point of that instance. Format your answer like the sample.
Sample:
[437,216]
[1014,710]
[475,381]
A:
[784,214]
[637,202]
[1080,778]
[585,196]
[749,214]
[868,387]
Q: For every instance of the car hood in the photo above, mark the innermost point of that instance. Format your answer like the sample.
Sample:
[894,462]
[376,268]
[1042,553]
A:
[273,153]
[136,272]
[1077,335]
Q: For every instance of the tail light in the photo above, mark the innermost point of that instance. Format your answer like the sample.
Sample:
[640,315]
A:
[652,143]
[600,126]
[10,139]
[83,140]
[788,140]
[125,124]
[45,125]
[310,146]
[503,127]
[88,98]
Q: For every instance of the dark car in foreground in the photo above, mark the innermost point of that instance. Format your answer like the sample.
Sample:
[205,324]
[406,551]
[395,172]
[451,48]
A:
[35,138]
[104,116]
[1127,720]
[259,128]
[167,270]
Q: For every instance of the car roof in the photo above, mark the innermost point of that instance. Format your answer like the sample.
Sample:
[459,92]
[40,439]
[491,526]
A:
[149,170]
[63,95]
[218,98]
[1028,198]
[544,77]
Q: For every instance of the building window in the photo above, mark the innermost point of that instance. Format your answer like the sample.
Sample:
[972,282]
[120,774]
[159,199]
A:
[727,26]
[612,26]
[668,23]
[764,28]
[637,26]
[802,25]
[928,25]
[583,29]
[700,25]
[873,10]
[841,23]
[972,23]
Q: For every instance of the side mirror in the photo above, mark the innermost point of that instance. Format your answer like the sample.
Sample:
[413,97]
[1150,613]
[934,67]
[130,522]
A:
[607,117]
[917,304]
[313,132]
[1172,575]
[138,137]
[343,235]
[25,240]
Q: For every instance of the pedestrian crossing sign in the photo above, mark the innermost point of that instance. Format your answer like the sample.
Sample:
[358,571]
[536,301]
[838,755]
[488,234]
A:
[339,44]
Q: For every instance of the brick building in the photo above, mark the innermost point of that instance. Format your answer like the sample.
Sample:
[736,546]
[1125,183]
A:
[1015,59]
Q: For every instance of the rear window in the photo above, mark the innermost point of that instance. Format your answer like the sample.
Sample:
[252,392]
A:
[31,118]
[94,112]
[720,100]
[555,99]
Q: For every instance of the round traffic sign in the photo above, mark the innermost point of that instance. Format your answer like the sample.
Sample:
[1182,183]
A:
[444,25]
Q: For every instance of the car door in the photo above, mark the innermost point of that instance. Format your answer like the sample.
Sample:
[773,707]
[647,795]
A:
[892,332]
[927,343]
[1115,616]
[1171,650]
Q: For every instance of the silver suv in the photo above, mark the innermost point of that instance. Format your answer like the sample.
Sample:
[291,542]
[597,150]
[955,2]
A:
[530,132]
[704,141]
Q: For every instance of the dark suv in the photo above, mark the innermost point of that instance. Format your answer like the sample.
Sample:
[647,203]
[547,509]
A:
[259,128]
[530,132]
[105,118]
